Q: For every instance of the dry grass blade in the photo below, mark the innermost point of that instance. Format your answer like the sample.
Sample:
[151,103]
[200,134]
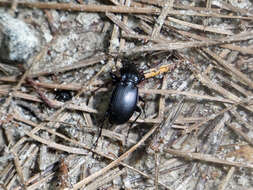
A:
[159,22]
[226,180]
[234,38]
[204,79]
[156,170]
[7,69]
[72,86]
[78,65]
[200,27]
[239,119]
[189,94]
[8,79]
[206,158]
[193,10]
[38,183]
[162,46]
[118,22]
[236,86]
[169,46]
[19,169]
[109,176]
[228,40]
[57,146]
[237,130]
[172,46]
[145,38]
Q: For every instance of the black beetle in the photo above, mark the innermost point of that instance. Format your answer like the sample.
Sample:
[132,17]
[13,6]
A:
[124,97]
[63,95]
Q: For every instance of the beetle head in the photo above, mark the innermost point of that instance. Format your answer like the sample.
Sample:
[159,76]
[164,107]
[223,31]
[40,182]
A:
[129,73]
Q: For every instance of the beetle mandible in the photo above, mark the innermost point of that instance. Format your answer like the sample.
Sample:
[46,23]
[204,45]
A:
[124,97]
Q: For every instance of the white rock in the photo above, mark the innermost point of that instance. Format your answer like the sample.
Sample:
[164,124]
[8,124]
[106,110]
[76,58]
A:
[18,41]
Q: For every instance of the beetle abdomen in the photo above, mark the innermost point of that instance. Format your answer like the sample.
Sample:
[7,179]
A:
[123,103]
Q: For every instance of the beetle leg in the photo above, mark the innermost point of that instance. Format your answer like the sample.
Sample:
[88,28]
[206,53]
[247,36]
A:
[143,110]
[141,77]
[141,99]
[137,109]
[114,77]
[100,130]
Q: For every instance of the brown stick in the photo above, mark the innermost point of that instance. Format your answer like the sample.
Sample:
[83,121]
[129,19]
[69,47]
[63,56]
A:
[87,8]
